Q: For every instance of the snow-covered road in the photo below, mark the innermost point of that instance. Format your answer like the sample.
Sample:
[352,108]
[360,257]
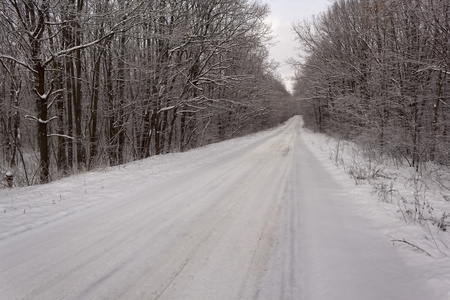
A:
[262,220]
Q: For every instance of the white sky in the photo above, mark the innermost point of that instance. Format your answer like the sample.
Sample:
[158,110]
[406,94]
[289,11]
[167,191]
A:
[283,14]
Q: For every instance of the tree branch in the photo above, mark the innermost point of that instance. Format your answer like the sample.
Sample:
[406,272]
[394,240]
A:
[24,64]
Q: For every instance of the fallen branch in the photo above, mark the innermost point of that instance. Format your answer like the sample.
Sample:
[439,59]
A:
[393,240]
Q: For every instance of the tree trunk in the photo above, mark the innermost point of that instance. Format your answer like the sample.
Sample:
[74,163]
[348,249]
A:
[78,95]
[42,116]
[61,155]
[435,125]
[94,112]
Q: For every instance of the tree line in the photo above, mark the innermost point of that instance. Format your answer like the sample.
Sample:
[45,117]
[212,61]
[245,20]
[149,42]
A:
[377,71]
[88,84]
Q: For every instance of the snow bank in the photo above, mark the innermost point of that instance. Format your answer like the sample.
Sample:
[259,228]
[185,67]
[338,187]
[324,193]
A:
[385,198]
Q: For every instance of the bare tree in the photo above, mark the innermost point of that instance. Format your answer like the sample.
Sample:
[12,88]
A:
[116,81]
[375,71]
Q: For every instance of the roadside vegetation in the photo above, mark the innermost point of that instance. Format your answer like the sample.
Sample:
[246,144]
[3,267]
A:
[374,75]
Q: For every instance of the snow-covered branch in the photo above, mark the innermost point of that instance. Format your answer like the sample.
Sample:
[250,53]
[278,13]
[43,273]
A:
[22,63]
[167,108]
[434,68]
[39,120]
[61,135]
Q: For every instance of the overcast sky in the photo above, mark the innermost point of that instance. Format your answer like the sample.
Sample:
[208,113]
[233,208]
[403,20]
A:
[283,14]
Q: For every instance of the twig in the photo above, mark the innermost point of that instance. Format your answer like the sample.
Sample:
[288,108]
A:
[412,245]
[429,230]
[401,210]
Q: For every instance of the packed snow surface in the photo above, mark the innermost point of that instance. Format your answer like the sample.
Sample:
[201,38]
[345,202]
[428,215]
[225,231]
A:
[260,217]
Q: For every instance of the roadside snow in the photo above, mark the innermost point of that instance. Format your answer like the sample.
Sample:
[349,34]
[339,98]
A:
[23,209]
[267,216]
[388,217]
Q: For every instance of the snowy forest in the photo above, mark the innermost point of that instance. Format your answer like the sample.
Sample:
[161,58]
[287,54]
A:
[91,84]
[377,72]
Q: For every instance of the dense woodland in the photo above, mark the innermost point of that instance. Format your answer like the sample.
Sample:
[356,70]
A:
[377,72]
[90,84]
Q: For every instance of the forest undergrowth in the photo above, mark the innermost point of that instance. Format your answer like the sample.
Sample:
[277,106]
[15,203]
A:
[420,197]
